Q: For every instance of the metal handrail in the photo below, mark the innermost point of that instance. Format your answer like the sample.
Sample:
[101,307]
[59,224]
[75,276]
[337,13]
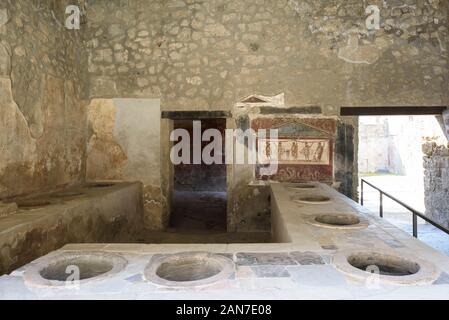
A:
[414,212]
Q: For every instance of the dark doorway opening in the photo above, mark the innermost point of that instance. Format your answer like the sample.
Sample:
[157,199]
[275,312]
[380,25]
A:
[200,190]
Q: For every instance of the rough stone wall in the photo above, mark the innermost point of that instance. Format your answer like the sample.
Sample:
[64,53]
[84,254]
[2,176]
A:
[436,182]
[203,55]
[209,54]
[42,116]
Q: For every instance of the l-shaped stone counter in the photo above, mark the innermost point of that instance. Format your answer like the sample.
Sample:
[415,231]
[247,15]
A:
[308,259]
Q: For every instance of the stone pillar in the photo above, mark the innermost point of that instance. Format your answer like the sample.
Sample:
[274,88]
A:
[436,182]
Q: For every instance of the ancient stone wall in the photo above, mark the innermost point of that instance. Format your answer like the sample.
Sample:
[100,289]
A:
[42,116]
[204,55]
[436,182]
[209,54]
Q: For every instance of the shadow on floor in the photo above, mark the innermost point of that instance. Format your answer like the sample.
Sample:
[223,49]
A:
[176,237]
[199,210]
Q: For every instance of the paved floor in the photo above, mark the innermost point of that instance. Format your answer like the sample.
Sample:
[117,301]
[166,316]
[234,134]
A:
[198,211]
[409,191]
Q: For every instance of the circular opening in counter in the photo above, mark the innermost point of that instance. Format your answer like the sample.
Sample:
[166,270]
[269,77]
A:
[385,265]
[189,270]
[340,220]
[87,267]
[388,267]
[337,221]
[62,269]
[32,204]
[313,200]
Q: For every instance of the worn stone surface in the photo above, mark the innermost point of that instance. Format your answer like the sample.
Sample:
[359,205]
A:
[443,279]
[114,215]
[322,276]
[270,271]
[307,258]
[258,259]
[394,243]
[252,209]
[7,209]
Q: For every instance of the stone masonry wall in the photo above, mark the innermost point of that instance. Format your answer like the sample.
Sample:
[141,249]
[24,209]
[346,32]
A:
[209,54]
[42,115]
[436,182]
[201,55]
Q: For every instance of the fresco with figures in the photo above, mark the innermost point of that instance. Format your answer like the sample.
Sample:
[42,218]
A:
[304,148]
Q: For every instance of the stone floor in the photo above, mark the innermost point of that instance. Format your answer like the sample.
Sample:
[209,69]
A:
[198,210]
[407,190]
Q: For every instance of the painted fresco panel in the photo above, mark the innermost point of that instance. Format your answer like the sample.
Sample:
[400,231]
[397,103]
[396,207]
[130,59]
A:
[304,148]
[295,151]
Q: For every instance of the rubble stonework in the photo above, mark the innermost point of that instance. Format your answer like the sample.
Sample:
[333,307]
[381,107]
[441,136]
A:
[42,116]
[202,56]
[436,182]
[210,54]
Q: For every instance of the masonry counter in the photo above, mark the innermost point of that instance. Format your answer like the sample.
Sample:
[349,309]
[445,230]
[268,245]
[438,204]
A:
[325,246]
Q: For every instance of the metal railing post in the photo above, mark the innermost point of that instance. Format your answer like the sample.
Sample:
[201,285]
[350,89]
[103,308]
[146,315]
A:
[381,205]
[361,198]
[415,225]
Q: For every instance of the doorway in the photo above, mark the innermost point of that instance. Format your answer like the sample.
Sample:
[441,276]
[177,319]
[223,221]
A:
[199,201]
[395,156]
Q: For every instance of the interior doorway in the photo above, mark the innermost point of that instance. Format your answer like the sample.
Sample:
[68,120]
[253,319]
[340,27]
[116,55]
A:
[199,201]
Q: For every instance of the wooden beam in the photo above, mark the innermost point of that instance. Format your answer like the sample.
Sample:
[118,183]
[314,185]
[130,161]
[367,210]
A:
[195,115]
[391,111]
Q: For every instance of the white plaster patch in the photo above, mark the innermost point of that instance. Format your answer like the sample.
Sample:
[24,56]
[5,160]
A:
[137,130]
[353,53]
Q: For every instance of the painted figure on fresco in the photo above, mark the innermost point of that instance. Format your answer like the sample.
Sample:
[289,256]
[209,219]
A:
[295,150]
[268,149]
[306,151]
[281,150]
[319,152]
